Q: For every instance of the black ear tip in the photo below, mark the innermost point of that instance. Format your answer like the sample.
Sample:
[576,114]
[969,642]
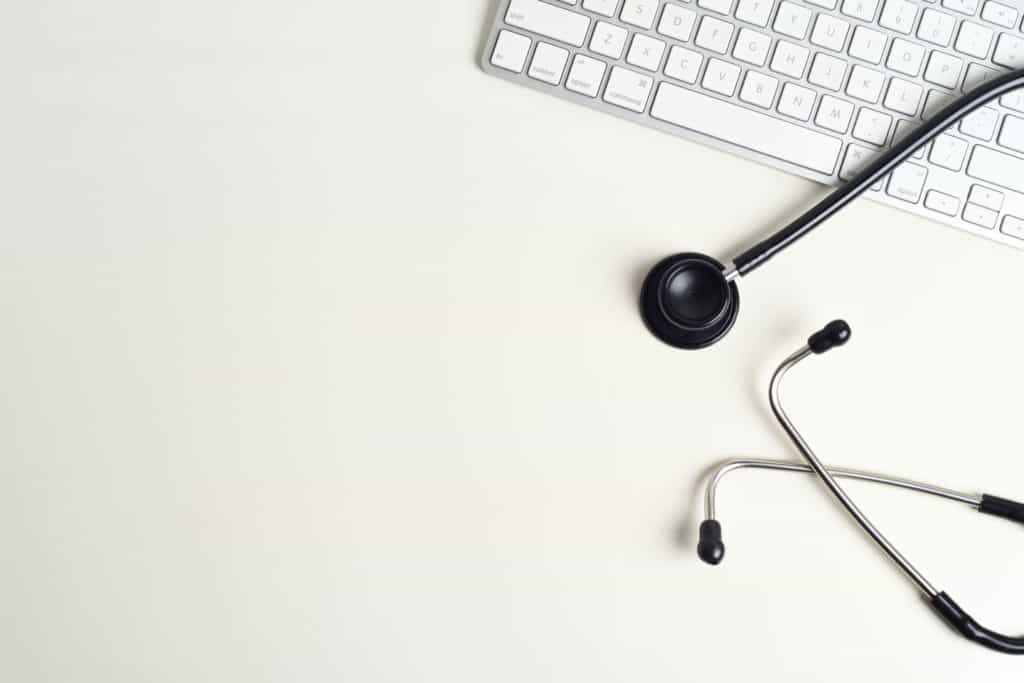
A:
[710,547]
[686,301]
[840,330]
[835,334]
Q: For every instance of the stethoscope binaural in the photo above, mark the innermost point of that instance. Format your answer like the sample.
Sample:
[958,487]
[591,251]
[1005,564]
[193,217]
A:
[690,301]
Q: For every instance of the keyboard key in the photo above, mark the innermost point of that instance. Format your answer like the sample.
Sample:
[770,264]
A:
[1014,100]
[943,69]
[752,47]
[989,198]
[585,75]
[1009,51]
[941,202]
[1014,227]
[547,20]
[639,13]
[792,20]
[968,7]
[868,45]
[906,182]
[608,40]
[628,89]
[936,27]
[905,57]
[758,132]
[973,39]
[683,64]
[827,4]
[1000,14]
[796,102]
[857,158]
[830,32]
[865,84]
[714,34]
[898,15]
[789,59]
[510,50]
[978,75]
[827,71]
[903,96]
[759,89]
[834,114]
[860,9]
[980,124]
[645,52]
[605,7]
[721,77]
[997,168]
[872,126]
[548,63]
[1012,134]
[948,152]
[979,215]
[755,12]
[720,6]
[677,22]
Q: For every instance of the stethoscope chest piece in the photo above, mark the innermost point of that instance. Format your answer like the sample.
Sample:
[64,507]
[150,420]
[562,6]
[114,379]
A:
[687,302]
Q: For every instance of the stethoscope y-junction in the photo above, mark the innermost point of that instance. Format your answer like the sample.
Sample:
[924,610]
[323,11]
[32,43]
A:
[691,300]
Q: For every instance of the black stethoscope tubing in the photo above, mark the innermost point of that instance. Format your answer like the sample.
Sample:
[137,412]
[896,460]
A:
[761,252]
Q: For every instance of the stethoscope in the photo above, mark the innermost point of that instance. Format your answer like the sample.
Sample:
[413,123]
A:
[690,301]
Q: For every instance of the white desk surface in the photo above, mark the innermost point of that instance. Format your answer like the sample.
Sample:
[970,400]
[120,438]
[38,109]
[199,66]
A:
[321,362]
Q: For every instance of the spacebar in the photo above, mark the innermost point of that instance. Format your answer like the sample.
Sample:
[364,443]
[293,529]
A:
[746,128]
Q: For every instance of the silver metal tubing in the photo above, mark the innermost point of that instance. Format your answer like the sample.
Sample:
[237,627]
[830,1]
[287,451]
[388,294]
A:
[830,481]
[730,274]
[837,472]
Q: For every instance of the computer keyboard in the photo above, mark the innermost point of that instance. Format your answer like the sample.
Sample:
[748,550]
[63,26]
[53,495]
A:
[814,87]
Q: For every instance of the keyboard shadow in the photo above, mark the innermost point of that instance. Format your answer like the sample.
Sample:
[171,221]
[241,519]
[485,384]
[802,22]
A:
[485,27]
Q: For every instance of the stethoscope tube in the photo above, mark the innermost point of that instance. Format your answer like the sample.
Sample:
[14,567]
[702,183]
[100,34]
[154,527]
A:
[761,252]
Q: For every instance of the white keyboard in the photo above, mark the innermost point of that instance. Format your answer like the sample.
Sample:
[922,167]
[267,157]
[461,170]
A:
[815,87]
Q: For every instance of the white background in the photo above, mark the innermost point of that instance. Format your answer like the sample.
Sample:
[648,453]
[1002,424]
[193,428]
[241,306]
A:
[321,362]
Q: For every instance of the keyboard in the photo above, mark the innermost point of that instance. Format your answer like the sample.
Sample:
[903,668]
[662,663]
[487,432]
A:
[813,87]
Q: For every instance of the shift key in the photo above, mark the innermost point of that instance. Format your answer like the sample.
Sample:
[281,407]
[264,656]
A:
[547,20]
[997,168]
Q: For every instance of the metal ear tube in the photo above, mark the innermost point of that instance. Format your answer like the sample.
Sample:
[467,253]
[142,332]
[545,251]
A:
[711,547]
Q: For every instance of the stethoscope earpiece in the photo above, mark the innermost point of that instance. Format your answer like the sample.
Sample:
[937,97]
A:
[833,335]
[710,548]
[687,302]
